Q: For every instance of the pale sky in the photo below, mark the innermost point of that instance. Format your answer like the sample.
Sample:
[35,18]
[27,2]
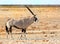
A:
[30,2]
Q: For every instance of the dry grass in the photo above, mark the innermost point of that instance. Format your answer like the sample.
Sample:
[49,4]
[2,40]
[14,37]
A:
[45,31]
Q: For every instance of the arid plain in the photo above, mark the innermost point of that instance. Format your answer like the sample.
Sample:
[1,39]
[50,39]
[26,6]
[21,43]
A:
[45,31]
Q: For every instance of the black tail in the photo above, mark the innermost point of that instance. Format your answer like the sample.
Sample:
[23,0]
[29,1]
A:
[7,29]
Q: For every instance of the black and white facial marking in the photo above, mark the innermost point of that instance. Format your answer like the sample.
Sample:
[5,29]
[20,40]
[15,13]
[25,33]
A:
[35,18]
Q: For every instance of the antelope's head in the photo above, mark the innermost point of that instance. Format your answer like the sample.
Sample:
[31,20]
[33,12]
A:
[35,18]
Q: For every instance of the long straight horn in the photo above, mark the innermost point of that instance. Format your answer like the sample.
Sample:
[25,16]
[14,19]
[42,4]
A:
[30,10]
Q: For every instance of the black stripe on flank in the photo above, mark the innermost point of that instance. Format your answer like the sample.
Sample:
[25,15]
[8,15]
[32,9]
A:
[17,27]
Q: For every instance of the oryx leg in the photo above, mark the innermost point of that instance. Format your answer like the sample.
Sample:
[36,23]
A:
[23,34]
[24,31]
[10,30]
[7,31]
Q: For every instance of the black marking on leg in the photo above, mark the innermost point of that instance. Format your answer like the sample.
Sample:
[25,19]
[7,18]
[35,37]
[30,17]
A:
[7,29]
[10,29]
[24,30]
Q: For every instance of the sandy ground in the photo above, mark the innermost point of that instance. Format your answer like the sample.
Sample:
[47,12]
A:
[45,31]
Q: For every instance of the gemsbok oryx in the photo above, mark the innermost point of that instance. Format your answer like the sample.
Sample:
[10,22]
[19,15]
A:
[21,23]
